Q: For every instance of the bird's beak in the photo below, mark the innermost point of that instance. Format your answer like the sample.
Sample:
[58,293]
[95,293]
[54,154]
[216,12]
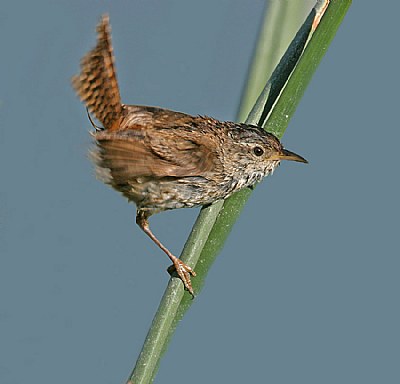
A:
[287,155]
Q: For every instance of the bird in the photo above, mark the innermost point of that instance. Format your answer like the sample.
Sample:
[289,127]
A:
[161,159]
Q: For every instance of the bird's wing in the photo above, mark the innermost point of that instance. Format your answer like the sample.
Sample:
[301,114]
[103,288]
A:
[129,154]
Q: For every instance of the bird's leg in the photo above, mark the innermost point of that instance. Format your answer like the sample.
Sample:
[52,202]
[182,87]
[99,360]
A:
[183,270]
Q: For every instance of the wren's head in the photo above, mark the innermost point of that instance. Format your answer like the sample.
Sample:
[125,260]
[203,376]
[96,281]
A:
[254,153]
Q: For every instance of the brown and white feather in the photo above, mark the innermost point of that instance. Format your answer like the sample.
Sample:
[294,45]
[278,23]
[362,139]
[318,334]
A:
[97,84]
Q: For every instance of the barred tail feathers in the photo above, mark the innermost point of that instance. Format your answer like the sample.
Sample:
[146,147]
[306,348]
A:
[97,84]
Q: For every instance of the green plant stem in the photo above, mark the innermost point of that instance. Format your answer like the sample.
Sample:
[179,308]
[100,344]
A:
[164,320]
[280,25]
[215,222]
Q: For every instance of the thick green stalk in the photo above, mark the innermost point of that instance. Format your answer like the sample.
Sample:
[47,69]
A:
[282,19]
[274,108]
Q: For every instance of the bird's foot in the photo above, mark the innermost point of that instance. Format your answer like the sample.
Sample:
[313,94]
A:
[184,272]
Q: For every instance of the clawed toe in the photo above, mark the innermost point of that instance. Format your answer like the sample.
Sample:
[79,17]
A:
[184,272]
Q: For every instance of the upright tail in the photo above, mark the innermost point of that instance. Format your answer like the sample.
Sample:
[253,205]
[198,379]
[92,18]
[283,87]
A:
[97,84]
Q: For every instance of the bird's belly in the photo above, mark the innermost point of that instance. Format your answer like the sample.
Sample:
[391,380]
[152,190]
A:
[173,193]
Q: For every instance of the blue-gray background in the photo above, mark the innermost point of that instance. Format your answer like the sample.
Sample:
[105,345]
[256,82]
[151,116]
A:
[306,288]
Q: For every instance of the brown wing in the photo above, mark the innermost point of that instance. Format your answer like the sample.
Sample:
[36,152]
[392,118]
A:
[124,156]
[97,84]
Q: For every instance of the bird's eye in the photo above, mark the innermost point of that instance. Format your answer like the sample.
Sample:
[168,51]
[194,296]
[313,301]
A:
[258,151]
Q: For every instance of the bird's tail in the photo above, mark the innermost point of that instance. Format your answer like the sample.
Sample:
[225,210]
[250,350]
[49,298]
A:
[97,84]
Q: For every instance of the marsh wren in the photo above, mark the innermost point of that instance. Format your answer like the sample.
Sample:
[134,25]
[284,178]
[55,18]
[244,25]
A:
[162,159]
